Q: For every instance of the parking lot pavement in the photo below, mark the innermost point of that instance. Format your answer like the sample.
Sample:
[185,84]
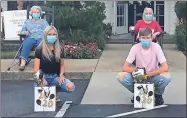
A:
[17,98]
[122,110]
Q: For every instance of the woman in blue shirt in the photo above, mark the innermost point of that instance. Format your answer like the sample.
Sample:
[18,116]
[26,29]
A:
[33,28]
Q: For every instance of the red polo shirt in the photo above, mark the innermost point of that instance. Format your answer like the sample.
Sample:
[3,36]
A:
[154,25]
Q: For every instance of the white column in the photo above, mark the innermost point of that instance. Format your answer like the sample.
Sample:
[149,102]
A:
[170,18]
[109,12]
[4,5]
[114,17]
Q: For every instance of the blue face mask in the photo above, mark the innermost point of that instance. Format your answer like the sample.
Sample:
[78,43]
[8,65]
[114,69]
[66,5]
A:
[145,43]
[51,39]
[149,17]
[36,15]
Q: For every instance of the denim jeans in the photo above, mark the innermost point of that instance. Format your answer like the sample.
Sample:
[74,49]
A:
[160,82]
[28,44]
[52,80]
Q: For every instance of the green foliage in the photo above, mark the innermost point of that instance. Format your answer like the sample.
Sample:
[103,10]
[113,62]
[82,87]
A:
[180,30]
[180,33]
[78,22]
[180,9]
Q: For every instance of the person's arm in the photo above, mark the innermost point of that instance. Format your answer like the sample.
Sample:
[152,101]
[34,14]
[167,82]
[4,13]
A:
[137,26]
[37,60]
[127,67]
[162,60]
[62,66]
[158,28]
[36,65]
[24,27]
[45,24]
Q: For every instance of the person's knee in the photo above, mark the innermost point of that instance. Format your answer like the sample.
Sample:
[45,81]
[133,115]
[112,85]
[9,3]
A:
[28,42]
[125,78]
[166,76]
[70,86]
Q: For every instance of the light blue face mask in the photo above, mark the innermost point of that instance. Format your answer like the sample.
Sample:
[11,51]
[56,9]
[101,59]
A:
[51,39]
[145,43]
[148,17]
[36,15]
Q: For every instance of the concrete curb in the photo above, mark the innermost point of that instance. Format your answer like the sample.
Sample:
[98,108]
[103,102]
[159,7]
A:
[29,75]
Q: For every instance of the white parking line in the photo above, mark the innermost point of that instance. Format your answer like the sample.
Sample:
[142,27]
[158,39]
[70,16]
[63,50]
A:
[63,109]
[136,111]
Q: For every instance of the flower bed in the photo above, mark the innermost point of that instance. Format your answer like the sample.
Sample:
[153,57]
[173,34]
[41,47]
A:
[81,51]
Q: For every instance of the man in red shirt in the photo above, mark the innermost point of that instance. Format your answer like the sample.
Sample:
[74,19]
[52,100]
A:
[147,21]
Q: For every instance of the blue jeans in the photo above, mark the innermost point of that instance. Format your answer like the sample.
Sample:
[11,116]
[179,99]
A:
[52,80]
[160,82]
[28,44]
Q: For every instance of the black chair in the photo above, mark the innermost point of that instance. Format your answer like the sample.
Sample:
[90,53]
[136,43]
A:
[47,12]
[158,39]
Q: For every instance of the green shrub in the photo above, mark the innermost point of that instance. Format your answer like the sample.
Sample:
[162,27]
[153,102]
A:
[180,9]
[180,30]
[81,22]
[180,33]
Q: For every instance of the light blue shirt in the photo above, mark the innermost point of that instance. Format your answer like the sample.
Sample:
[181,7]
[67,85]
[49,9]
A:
[35,28]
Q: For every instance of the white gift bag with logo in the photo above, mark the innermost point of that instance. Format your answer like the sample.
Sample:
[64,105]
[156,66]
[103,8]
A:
[45,99]
[144,96]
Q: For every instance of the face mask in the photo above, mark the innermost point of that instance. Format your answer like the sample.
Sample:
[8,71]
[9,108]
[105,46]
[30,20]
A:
[148,17]
[145,43]
[51,39]
[36,15]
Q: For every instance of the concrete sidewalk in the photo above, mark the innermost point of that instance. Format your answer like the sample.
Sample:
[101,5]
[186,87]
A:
[105,89]
[74,69]
[71,65]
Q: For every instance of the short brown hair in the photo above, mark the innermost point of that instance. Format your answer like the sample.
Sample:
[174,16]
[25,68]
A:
[145,31]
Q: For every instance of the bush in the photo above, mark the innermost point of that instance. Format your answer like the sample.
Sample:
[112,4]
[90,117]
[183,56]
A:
[77,22]
[180,33]
[180,30]
[180,9]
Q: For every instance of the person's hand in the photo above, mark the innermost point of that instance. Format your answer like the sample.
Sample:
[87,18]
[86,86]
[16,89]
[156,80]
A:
[131,28]
[25,32]
[155,34]
[61,80]
[138,72]
[149,74]
[120,75]
[44,82]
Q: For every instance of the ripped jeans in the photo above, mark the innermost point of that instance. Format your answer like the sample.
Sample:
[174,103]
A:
[52,80]
[160,82]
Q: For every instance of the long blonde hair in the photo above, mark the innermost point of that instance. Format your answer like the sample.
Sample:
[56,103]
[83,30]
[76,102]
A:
[44,46]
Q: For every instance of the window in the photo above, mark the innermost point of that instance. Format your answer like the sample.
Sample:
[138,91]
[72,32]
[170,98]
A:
[120,14]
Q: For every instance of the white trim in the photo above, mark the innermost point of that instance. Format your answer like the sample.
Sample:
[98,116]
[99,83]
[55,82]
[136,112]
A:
[136,111]
[115,15]
[63,109]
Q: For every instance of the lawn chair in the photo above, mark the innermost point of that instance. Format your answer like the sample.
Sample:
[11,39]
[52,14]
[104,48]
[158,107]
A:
[46,12]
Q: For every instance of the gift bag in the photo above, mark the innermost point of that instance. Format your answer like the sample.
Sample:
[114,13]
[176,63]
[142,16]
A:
[144,95]
[45,99]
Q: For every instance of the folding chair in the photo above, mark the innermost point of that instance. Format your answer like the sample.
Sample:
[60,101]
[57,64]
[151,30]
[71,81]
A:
[46,12]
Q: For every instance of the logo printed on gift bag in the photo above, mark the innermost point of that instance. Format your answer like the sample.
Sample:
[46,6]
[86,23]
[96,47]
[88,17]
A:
[45,98]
